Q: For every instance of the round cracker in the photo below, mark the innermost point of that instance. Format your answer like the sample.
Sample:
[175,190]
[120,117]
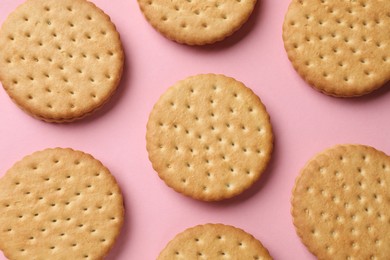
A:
[339,47]
[341,203]
[59,60]
[209,137]
[214,241]
[59,204]
[196,22]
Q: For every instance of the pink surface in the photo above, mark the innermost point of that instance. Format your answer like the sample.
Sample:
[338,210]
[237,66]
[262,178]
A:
[304,120]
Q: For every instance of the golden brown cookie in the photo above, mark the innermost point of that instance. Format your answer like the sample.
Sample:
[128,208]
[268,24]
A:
[59,60]
[59,204]
[209,137]
[214,241]
[197,22]
[340,47]
[341,204]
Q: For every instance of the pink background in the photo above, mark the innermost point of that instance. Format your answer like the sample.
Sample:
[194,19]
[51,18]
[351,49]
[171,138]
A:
[304,120]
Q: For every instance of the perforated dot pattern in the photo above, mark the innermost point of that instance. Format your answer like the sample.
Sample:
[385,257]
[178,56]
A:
[59,60]
[341,204]
[214,241]
[209,137]
[59,204]
[197,22]
[342,48]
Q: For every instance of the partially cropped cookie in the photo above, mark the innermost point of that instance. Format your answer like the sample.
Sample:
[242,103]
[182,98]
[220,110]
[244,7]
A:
[197,22]
[209,137]
[341,203]
[214,241]
[59,204]
[59,60]
[342,48]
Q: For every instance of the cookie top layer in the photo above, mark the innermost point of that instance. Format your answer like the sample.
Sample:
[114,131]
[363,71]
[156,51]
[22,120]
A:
[340,47]
[59,60]
[209,137]
[214,241]
[341,204]
[59,204]
[197,22]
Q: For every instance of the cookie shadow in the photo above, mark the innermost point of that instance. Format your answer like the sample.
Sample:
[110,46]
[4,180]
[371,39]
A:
[124,237]
[237,36]
[380,93]
[376,95]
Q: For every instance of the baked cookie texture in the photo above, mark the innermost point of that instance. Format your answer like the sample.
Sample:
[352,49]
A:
[214,241]
[340,47]
[59,204]
[197,22]
[60,60]
[341,203]
[209,137]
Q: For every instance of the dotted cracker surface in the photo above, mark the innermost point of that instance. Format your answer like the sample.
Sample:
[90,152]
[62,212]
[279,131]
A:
[209,137]
[341,47]
[197,22]
[59,60]
[59,204]
[214,241]
[341,204]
